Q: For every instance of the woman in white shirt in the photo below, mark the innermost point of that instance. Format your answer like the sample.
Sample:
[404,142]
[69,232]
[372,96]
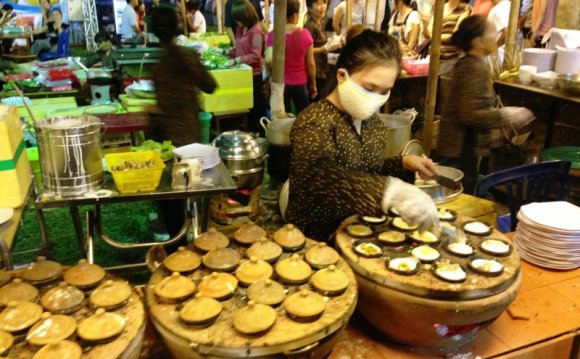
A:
[357,8]
[405,25]
[195,19]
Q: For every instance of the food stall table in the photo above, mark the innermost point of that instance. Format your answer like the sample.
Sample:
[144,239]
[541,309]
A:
[8,232]
[221,182]
[557,100]
[544,323]
[26,35]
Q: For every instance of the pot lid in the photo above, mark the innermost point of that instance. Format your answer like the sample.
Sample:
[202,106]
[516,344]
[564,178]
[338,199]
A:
[321,255]
[51,329]
[218,285]
[174,287]
[222,259]
[84,274]
[293,269]
[250,233]
[62,298]
[265,250]
[254,318]
[6,341]
[200,310]
[330,280]
[111,294]
[212,239]
[290,237]
[101,326]
[41,270]
[267,292]
[253,270]
[19,291]
[305,304]
[18,316]
[4,277]
[183,260]
[239,145]
[63,350]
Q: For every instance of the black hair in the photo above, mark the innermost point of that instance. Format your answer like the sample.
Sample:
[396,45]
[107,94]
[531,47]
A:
[164,23]
[56,10]
[472,27]
[309,3]
[410,3]
[102,36]
[191,5]
[368,49]
[292,7]
[7,7]
[245,13]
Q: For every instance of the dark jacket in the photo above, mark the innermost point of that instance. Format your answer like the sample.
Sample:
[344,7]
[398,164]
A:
[178,78]
[470,111]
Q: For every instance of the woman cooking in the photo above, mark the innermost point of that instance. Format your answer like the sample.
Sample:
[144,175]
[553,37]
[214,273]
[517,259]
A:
[337,167]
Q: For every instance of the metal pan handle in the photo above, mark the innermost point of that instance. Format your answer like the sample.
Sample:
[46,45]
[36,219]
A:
[302,350]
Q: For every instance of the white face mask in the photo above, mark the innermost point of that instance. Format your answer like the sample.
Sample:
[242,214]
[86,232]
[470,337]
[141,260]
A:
[359,103]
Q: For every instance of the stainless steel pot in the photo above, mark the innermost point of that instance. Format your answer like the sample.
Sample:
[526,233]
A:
[439,193]
[238,145]
[248,179]
[244,156]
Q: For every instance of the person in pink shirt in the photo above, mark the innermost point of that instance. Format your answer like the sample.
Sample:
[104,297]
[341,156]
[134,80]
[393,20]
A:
[543,19]
[299,66]
[482,7]
[250,50]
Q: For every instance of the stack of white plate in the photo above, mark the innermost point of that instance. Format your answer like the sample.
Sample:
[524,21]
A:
[208,155]
[567,61]
[543,59]
[548,235]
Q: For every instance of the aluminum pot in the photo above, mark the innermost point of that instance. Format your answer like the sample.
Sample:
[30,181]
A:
[248,179]
[439,193]
[278,131]
[238,145]
[398,133]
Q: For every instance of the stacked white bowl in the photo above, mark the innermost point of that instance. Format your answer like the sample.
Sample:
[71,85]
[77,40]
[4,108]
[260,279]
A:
[567,61]
[543,59]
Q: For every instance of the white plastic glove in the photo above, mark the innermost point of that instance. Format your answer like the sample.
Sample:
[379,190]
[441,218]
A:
[517,116]
[414,205]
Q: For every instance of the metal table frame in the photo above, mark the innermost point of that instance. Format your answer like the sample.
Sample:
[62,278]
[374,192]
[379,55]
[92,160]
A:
[196,210]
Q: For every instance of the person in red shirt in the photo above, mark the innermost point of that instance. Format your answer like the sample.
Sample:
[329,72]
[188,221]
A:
[250,43]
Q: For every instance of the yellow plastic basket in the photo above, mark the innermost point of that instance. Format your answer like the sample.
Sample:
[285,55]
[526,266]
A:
[135,180]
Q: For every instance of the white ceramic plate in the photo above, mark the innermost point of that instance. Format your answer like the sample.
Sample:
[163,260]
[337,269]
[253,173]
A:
[5,214]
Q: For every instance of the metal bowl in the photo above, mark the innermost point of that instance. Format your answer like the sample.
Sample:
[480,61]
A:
[439,193]
[570,83]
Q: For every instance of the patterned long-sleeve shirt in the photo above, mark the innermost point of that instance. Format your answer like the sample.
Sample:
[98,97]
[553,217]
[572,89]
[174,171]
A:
[470,111]
[178,78]
[334,171]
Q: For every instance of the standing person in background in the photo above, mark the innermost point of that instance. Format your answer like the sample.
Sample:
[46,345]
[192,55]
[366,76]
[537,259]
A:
[405,25]
[230,24]
[471,128]
[129,23]
[45,10]
[194,18]
[543,19]
[299,65]
[357,7]
[140,11]
[7,15]
[250,46]
[177,78]
[482,7]
[315,23]
[454,12]
[499,16]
